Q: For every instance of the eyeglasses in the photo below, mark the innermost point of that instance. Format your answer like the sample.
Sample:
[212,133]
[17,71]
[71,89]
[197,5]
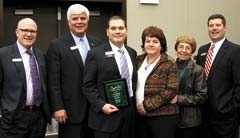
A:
[28,31]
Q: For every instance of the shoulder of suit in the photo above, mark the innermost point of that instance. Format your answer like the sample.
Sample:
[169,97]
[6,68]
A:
[8,50]
[94,39]
[98,48]
[65,39]
[203,47]
[8,47]
[233,44]
[130,48]
[37,49]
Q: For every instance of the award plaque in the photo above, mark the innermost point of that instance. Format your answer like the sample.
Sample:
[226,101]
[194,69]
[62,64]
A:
[117,92]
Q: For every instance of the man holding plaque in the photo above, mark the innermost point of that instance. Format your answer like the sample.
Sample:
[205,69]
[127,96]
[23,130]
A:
[109,84]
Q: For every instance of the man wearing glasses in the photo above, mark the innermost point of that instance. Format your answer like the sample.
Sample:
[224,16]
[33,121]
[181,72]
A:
[24,109]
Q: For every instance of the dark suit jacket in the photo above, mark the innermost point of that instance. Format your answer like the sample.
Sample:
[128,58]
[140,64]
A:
[13,85]
[224,78]
[65,75]
[100,68]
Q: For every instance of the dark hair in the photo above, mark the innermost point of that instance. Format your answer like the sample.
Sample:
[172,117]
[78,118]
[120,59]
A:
[186,39]
[153,31]
[217,16]
[116,18]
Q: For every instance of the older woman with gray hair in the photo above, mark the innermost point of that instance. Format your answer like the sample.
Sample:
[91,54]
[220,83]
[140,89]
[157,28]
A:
[192,91]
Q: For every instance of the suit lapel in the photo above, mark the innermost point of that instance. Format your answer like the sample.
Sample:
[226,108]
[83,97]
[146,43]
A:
[42,70]
[131,54]
[69,41]
[220,55]
[205,52]
[40,62]
[111,60]
[91,43]
[17,60]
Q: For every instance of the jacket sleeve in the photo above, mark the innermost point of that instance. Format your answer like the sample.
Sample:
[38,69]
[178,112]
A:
[90,82]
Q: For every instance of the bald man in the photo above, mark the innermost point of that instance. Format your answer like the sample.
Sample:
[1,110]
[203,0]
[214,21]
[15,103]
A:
[24,108]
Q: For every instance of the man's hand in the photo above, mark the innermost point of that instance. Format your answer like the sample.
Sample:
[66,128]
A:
[108,109]
[60,116]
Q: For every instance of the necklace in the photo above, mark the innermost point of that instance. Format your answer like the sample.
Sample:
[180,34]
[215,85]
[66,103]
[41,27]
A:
[146,68]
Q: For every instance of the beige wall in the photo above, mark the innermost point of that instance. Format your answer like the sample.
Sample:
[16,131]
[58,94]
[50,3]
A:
[178,17]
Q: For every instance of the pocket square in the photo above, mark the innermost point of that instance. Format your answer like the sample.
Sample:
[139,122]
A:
[203,54]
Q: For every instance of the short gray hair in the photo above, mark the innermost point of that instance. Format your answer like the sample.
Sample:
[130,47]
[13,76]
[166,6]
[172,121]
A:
[77,9]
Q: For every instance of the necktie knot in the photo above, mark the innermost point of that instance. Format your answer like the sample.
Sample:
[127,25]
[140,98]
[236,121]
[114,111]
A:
[30,52]
[81,40]
[212,46]
[121,51]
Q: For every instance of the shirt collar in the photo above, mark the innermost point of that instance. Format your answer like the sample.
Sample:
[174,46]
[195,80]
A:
[115,48]
[21,48]
[219,43]
[76,38]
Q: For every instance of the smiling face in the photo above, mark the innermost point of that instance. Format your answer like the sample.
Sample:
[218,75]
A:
[117,32]
[185,46]
[184,51]
[26,32]
[216,29]
[78,24]
[152,46]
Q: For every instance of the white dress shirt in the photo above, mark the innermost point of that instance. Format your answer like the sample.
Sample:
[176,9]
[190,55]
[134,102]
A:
[129,62]
[25,58]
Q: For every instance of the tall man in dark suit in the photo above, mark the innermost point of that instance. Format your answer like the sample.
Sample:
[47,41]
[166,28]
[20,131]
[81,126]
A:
[104,64]
[66,59]
[223,81]
[24,108]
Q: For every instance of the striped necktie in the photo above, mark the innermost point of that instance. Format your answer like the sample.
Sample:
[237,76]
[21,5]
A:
[37,97]
[208,62]
[124,68]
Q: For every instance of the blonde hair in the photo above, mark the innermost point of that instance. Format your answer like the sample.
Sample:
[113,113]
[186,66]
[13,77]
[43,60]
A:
[186,39]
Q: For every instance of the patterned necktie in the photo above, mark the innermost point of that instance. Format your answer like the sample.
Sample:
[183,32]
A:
[83,49]
[208,61]
[124,68]
[37,97]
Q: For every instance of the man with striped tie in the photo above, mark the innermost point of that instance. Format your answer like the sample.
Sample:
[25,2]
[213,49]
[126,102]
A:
[111,61]
[220,59]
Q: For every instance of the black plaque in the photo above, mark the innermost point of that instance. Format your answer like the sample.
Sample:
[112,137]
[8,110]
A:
[117,92]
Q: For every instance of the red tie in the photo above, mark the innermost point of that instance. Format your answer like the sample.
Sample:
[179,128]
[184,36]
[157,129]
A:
[208,61]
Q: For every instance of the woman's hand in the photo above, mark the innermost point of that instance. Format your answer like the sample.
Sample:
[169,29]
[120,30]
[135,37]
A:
[174,100]
[141,110]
